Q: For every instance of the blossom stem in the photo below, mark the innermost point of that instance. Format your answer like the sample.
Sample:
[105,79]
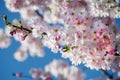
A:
[106,74]
[22,28]
[37,12]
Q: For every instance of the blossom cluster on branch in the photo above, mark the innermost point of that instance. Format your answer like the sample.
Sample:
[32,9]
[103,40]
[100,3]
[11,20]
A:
[82,30]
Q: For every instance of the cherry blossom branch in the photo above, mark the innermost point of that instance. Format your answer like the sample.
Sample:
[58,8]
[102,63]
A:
[14,26]
[17,29]
[88,30]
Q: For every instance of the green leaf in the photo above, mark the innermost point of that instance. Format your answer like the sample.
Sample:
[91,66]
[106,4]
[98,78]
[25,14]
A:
[6,21]
[67,48]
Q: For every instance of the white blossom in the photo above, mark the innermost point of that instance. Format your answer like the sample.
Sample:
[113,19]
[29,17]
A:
[4,39]
[61,69]
[21,55]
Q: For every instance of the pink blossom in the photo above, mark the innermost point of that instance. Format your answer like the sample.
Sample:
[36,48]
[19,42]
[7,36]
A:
[57,38]
[21,34]
[36,73]
[18,75]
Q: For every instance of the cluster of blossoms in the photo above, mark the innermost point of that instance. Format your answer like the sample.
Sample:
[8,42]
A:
[62,70]
[82,30]
[39,74]
[105,8]
[29,44]
[115,67]
[35,74]
[57,68]
[96,8]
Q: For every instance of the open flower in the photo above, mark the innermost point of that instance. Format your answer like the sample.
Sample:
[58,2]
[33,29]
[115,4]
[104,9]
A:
[21,55]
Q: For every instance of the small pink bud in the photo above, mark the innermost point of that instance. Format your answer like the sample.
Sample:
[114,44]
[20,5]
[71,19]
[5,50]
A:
[58,46]
[12,32]
[112,52]
[18,75]
[57,38]
[16,3]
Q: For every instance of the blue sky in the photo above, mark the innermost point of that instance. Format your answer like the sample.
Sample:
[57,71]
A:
[8,64]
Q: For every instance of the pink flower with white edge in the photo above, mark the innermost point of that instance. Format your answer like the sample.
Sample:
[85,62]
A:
[20,35]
